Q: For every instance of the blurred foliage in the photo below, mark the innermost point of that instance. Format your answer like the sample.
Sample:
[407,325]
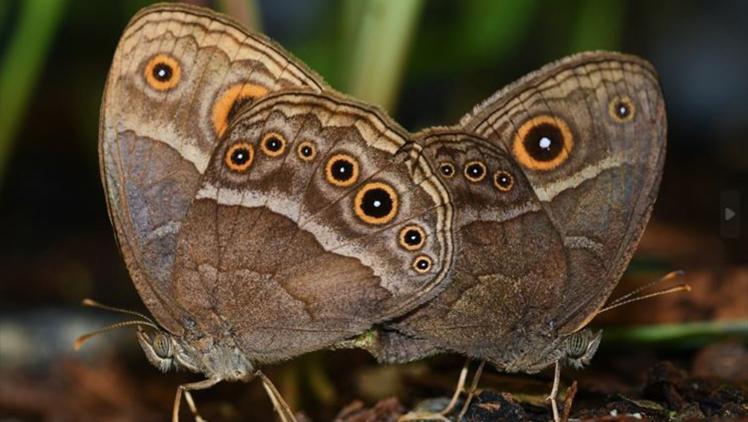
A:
[21,64]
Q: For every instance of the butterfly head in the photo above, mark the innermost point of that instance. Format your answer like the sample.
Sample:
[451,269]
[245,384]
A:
[580,347]
[166,351]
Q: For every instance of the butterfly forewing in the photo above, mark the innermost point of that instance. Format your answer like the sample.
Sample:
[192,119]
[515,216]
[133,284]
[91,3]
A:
[177,77]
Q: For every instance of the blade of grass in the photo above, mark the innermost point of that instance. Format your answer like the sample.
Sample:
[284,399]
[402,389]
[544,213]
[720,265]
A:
[19,69]
[383,31]
[684,335]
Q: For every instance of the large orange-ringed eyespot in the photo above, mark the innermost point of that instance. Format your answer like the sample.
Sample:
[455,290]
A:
[376,203]
[341,170]
[232,97]
[447,169]
[543,143]
[412,237]
[273,144]
[475,171]
[422,264]
[306,151]
[239,156]
[503,180]
[162,72]
[622,109]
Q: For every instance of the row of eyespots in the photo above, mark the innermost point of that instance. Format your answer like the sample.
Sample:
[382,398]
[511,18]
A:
[546,141]
[375,203]
[239,157]
[475,171]
[412,238]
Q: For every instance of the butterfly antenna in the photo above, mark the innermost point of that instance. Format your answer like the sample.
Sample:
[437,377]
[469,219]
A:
[93,304]
[85,337]
[632,296]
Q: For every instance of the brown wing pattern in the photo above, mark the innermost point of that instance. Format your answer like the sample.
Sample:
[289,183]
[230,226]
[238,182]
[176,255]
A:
[601,118]
[292,256]
[178,76]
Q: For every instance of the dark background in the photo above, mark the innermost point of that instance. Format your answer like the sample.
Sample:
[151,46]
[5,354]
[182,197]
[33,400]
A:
[57,246]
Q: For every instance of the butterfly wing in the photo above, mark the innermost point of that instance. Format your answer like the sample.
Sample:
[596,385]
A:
[584,141]
[589,132]
[314,220]
[177,77]
[508,261]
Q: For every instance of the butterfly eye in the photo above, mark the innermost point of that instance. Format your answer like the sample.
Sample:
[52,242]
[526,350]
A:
[543,143]
[306,151]
[503,180]
[447,169]
[162,72]
[273,144]
[341,170]
[239,157]
[475,171]
[422,264]
[622,109]
[412,237]
[376,203]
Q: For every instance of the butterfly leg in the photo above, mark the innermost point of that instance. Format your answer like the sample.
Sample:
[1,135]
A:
[554,391]
[458,388]
[442,415]
[185,389]
[280,405]
[473,388]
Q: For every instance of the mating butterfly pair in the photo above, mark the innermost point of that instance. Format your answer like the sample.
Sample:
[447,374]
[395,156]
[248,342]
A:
[263,215]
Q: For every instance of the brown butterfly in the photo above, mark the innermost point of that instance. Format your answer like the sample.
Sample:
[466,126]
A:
[262,215]
[257,227]
[553,180]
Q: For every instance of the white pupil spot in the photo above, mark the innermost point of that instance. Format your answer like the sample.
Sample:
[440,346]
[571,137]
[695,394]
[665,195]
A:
[622,110]
[377,203]
[545,142]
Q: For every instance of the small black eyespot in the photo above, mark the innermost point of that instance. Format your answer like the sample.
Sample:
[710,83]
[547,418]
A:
[341,170]
[240,156]
[503,180]
[306,151]
[622,109]
[422,264]
[162,72]
[475,171]
[447,169]
[273,144]
[412,237]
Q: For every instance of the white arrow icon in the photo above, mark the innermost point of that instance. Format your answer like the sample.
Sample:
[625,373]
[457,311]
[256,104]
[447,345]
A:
[729,214]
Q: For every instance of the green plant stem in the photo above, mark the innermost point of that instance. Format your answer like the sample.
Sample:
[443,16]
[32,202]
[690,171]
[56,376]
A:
[685,334]
[382,31]
[20,67]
